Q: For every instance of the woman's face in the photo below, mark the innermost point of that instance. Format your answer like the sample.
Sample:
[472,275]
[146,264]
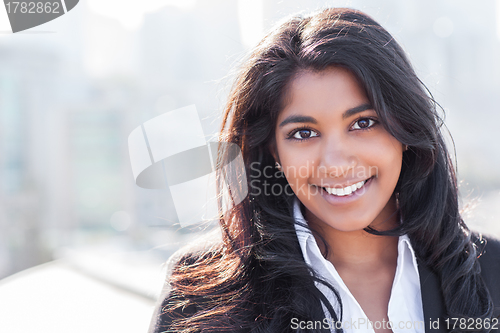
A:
[338,159]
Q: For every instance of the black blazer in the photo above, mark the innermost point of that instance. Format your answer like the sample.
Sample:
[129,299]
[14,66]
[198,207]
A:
[432,298]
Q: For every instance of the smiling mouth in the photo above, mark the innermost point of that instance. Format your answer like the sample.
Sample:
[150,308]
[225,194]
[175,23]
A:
[348,190]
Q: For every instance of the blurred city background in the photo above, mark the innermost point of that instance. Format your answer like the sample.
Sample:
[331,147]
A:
[81,246]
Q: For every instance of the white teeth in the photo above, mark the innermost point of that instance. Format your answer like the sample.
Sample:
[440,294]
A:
[346,190]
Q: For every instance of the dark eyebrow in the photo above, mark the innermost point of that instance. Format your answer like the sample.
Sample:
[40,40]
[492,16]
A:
[307,119]
[297,119]
[357,109]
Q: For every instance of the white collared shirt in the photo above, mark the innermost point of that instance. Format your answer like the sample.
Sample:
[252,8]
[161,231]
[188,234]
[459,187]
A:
[405,310]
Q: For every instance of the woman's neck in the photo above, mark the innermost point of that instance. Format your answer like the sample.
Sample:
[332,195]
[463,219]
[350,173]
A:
[361,250]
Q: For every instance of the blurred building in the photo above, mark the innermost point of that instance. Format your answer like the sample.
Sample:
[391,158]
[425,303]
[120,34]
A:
[28,101]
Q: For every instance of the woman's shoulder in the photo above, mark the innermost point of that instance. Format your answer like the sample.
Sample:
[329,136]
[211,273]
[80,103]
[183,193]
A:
[489,259]
[186,256]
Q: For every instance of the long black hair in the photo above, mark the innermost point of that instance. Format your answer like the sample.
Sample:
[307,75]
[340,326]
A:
[257,280]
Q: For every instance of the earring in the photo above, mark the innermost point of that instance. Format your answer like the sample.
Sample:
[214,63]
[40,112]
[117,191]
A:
[278,166]
[406,147]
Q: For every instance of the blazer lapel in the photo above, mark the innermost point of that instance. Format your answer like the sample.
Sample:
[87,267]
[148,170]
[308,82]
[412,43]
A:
[432,301]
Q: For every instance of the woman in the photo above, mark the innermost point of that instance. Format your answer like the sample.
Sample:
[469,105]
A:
[358,225]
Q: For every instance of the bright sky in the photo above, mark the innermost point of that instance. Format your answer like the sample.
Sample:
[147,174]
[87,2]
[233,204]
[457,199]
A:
[251,21]
[130,13]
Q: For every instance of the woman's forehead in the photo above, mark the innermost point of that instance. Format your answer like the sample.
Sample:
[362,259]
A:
[334,88]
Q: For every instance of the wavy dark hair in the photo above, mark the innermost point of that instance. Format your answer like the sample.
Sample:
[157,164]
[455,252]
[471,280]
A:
[256,279]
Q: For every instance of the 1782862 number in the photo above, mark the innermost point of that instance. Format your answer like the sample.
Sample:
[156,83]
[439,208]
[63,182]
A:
[471,323]
[32,7]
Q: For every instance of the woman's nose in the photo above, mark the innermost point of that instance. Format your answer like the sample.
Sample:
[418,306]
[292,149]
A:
[337,159]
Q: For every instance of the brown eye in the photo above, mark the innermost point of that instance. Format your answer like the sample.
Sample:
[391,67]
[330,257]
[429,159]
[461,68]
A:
[304,134]
[363,123]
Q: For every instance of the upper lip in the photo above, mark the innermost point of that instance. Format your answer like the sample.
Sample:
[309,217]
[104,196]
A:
[344,185]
